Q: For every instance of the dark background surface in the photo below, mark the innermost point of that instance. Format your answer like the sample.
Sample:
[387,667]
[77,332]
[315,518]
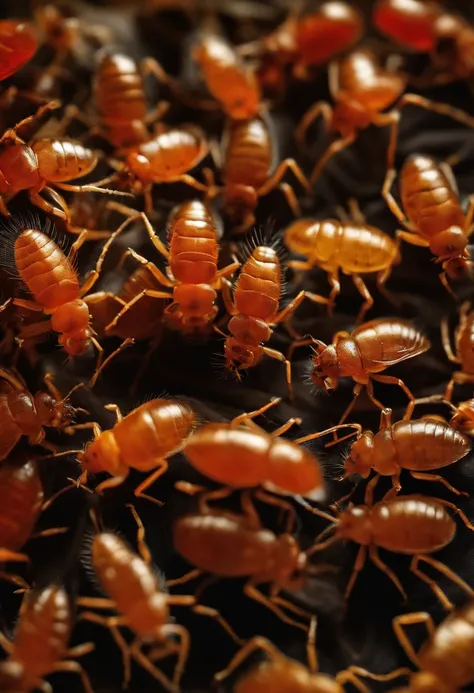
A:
[360,633]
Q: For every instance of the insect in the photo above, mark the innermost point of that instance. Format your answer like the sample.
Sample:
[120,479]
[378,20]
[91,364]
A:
[232,83]
[455,54]
[311,39]
[44,163]
[18,44]
[444,661]
[251,170]
[40,644]
[253,308]
[363,354]
[419,445]
[433,217]
[141,440]
[193,275]
[409,22]
[354,248]
[133,589]
[23,413]
[463,354]
[413,525]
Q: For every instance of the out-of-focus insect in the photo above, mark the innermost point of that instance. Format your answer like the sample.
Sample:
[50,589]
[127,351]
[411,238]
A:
[411,23]
[431,213]
[25,414]
[251,170]
[133,588]
[40,644]
[464,347]
[254,309]
[279,673]
[454,57]
[18,44]
[44,163]
[142,440]
[419,446]
[413,525]
[192,275]
[361,89]
[312,39]
[363,355]
[353,247]
[444,660]
[232,83]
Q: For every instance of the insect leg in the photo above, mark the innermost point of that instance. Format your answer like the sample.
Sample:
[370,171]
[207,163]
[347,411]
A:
[101,365]
[26,122]
[458,377]
[274,354]
[436,477]
[162,468]
[47,207]
[389,198]
[437,107]
[187,577]
[369,491]
[112,482]
[227,298]
[227,271]
[141,543]
[256,643]
[457,510]
[358,388]
[29,305]
[320,108]
[217,616]
[408,620]
[389,379]
[284,508]
[5,643]
[374,556]
[361,287]
[251,591]
[447,342]
[305,341]
[192,182]
[273,182]
[447,604]
[294,421]
[145,663]
[358,565]
[313,436]
[334,148]
[243,418]
[381,279]
[351,674]
[15,382]
[183,651]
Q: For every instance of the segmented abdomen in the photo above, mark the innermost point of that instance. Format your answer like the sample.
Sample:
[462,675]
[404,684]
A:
[365,248]
[423,444]
[46,271]
[258,288]
[22,497]
[193,244]
[248,157]
[119,90]
[63,160]
[384,342]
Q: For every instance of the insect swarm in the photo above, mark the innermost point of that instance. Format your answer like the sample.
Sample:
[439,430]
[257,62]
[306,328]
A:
[363,354]
[40,644]
[354,248]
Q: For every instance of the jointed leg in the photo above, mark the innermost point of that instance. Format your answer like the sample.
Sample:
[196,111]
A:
[358,565]
[256,643]
[293,421]
[361,287]
[457,510]
[142,546]
[351,674]
[282,168]
[253,593]
[389,379]
[321,108]
[357,430]
[334,148]
[374,556]
[447,342]
[246,416]
[408,620]
[145,663]
[291,198]
[217,616]
[358,388]
[102,364]
[112,623]
[436,477]
[75,668]
[162,467]
[274,354]
[447,604]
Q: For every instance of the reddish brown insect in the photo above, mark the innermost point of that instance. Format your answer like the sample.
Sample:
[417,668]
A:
[433,217]
[454,58]
[254,308]
[353,247]
[464,344]
[411,23]
[413,525]
[232,83]
[18,44]
[40,644]
[24,414]
[35,167]
[420,446]
[134,590]
[251,170]
[363,354]
[141,440]
[444,661]
[193,275]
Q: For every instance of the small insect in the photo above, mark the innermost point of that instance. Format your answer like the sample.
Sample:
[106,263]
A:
[37,166]
[444,661]
[192,276]
[463,353]
[311,39]
[279,673]
[363,354]
[410,23]
[25,414]
[413,525]
[454,58]
[354,248]
[232,83]
[141,440]
[251,170]
[433,217]
[40,643]
[419,445]
[133,588]
[254,308]
[18,44]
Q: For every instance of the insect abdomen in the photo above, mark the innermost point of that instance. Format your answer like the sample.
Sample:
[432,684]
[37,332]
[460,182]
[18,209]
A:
[249,154]
[119,90]
[22,497]
[423,444]
[259,285]
[193,245]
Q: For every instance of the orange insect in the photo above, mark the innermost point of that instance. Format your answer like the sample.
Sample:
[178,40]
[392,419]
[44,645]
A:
[433,217]
[352,247]
[40,644]
[45,162]
[420,446]
[241,457]
[251,170]
[193,274]
[363,354]
[464,343]
[413,525]
[454,58]
[254,308]
[232,83]
[409,22]
[24,414]
[444,661]
[141,440]
[134,590]
[18,44]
